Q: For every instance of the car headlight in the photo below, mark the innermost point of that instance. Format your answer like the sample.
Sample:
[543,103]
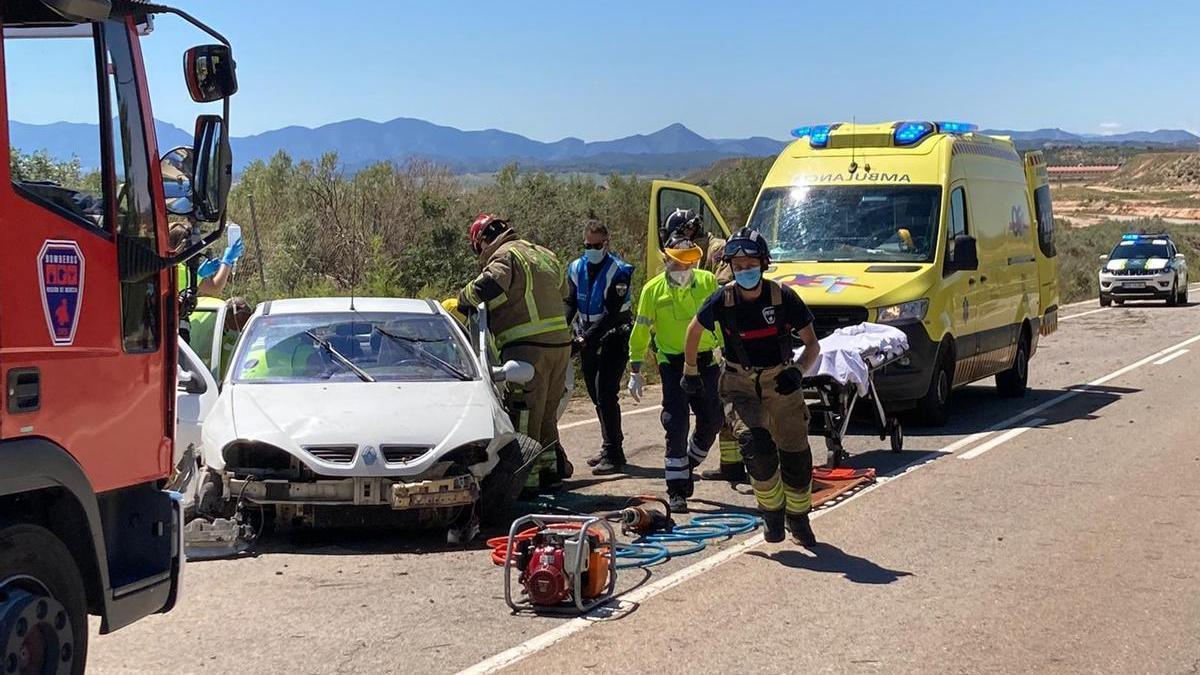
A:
[904,311]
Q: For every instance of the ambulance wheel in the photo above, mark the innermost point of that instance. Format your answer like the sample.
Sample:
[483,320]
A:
[835,453]
[933,408]
[1105,300]
[896,433]
[1013,383]
[43,609]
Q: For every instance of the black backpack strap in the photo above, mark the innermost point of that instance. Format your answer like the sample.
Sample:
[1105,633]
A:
[783,330]
[733,336]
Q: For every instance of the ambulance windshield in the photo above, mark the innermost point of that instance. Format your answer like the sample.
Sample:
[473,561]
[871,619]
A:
[872,223]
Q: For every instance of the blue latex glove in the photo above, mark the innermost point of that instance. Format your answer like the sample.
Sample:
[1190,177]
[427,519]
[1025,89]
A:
[208,268]
[233,252]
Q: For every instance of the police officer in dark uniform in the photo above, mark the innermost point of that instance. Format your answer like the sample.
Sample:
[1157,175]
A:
[599,309]
[761,323]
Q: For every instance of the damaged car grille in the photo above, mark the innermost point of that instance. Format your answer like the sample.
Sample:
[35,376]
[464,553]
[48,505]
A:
[400,454]
[334,454]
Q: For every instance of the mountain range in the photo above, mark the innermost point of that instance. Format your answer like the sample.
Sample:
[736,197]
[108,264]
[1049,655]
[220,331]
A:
[360,142]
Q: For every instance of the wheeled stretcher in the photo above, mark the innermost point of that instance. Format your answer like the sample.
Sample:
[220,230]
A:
[844,375]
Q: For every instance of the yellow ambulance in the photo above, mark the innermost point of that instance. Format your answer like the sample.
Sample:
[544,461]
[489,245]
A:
[936,229]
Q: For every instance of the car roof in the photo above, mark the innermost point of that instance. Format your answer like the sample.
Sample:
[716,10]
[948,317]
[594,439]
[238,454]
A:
[320,305]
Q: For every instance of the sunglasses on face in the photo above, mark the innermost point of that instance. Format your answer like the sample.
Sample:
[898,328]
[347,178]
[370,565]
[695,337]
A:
[595,247]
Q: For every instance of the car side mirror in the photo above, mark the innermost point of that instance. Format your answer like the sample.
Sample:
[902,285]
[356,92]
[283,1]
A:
[178,172]
[1179,257]
[513,372]
[213,168]
[190,382]
[1104,258]
[966,254]
[210,73]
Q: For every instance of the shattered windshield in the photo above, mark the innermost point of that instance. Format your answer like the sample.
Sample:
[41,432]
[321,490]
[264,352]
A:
[853,224]
[345,346]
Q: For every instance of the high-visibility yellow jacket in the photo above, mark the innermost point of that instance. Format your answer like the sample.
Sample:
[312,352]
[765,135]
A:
[665,311]
[523,286]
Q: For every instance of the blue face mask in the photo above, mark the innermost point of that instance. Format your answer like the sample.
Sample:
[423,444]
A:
[594,256]
[748,279]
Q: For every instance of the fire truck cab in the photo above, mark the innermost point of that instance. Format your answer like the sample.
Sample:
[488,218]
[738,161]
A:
[89,306]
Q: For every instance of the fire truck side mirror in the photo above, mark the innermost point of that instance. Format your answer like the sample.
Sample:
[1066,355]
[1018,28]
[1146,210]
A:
[210,73]
[213,168]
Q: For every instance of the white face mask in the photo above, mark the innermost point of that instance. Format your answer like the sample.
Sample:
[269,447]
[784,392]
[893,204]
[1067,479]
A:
[680,277]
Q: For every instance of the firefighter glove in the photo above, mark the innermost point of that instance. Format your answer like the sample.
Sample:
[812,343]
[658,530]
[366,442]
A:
[693,385]
[789,381]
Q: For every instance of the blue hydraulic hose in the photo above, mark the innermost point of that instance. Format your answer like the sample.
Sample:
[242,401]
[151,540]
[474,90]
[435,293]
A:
[652,549]
[641,554]
[691,545]
[738,523]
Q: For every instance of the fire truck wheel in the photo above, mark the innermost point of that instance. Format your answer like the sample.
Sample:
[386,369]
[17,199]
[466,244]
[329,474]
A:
[43,609]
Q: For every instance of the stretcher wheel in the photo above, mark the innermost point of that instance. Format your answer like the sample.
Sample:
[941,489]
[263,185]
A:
[835,452]
[896,434]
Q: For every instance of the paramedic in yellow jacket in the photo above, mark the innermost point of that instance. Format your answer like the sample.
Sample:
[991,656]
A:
[685,224]
[523,286]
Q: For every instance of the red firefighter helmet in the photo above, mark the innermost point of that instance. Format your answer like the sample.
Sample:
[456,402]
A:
[486,226]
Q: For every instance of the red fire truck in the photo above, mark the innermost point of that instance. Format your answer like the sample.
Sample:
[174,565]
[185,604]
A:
[89,307]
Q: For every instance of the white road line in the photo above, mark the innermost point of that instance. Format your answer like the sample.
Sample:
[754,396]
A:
[1076,316]
[584,423]
[555,635]
[1170,358]
[1000,440]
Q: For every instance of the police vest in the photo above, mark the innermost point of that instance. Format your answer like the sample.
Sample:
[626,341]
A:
[590,293]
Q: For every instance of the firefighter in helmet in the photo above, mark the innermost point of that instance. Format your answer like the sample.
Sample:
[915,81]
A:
[523,286]
[761,322]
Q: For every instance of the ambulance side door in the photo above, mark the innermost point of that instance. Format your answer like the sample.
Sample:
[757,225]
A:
[665,197]
[964,288]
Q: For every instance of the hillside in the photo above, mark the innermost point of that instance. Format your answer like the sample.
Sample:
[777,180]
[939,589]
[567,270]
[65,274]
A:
[1157,171]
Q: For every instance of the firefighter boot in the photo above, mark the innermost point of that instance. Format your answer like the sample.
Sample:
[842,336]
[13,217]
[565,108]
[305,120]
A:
[772,526]
[678,504]
[610,463]
[734,473]
[801,530]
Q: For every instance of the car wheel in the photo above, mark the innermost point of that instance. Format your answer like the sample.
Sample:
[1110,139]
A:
[1118,302]
[500,488]
[1013,383]
[43,608]
[1173,298]
[1105,301]
[933,408]
[1183,297]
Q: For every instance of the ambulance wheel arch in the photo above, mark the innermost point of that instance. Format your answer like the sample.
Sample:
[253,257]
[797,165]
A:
[665,197]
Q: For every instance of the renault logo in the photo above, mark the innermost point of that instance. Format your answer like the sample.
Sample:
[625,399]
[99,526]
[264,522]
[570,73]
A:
[369,455]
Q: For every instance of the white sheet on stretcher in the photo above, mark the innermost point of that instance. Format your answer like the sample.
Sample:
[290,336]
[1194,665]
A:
[848,354]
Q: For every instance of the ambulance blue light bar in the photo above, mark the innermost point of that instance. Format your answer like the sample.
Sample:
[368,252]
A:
[956,127]
[817,134]
[911,133]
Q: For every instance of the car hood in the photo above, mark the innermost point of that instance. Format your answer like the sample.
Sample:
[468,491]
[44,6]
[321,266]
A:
[1147,264]
[438,415]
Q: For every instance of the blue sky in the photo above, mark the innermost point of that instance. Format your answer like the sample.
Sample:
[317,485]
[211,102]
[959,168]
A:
[598,70]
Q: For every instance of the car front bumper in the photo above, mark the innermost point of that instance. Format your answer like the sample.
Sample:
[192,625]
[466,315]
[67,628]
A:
[1141,286]
[360,491]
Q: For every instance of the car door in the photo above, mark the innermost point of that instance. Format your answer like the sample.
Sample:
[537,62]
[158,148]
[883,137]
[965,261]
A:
[665,197]
[195,395]
[963,288]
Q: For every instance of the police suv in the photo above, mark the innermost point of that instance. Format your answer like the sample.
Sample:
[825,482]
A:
[1144,267]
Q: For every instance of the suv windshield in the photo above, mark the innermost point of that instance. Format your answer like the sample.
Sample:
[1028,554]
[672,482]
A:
[352,346]
[1134,249]
[868,224]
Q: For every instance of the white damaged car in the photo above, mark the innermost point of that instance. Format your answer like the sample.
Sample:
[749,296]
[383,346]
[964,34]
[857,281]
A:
[363,412]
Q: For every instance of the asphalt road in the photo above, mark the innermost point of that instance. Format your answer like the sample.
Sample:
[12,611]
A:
[1058,532]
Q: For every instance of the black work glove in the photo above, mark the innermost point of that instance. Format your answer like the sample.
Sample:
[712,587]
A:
[789,381]
[692,385]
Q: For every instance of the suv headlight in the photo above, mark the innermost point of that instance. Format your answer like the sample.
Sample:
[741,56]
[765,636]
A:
[903,311]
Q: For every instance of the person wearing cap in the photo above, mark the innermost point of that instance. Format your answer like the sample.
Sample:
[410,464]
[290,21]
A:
[761,322]
[668,303]
[523,286]
[599,311]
